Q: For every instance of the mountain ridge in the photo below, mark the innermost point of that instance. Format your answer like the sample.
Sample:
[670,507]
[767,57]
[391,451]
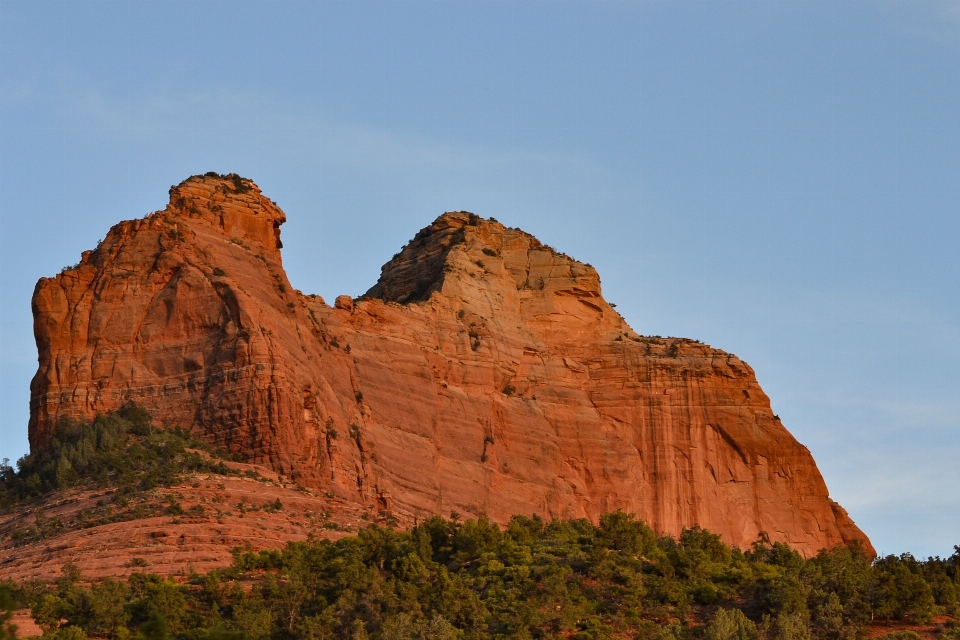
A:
[483,373]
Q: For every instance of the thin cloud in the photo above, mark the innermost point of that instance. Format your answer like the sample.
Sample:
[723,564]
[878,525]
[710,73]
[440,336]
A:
[732,301]
[904,478]
[937,21]
[299,136]
[380,150]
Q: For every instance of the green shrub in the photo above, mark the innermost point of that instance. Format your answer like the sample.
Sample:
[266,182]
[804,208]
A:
[785,626]
[119,449]
[8,604]
[70,632]
[239,184]
[730,624]
[900,591]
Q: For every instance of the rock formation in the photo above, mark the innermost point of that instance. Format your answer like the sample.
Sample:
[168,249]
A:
[484,373]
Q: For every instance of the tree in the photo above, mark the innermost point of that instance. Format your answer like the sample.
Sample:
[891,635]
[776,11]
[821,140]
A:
[155,628]
[8,630]
[730,624]
[900,592]
[785,626]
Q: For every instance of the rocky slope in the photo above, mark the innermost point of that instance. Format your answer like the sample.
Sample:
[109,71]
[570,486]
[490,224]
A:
[484,373]
[214,514]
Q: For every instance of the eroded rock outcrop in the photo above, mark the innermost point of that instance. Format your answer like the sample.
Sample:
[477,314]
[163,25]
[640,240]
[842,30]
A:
[484,373]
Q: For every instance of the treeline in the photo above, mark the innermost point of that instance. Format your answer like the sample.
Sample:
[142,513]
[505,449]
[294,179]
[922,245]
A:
[448,579]
[120,449]
[532,579]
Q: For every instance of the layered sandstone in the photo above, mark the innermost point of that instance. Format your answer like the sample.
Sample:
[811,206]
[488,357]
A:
[254,511]
[484,373]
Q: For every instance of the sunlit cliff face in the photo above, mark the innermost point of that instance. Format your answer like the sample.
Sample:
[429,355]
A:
[483,373]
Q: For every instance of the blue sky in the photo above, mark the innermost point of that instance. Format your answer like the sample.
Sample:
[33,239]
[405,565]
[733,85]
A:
[780,180]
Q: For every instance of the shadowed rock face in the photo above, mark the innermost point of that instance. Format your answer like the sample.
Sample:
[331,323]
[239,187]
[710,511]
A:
[484,373]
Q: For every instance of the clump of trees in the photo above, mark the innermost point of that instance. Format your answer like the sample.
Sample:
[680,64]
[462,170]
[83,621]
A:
[120,449]
[448,579]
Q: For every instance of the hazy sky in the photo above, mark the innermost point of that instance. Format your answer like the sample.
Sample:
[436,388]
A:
[780,180]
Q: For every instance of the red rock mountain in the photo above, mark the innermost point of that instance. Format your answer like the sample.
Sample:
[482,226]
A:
[484,373]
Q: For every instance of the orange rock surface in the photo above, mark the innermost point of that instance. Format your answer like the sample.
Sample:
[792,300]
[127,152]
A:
[484,373]
[220,513]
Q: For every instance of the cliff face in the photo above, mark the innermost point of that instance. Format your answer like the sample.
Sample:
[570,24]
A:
[484,373]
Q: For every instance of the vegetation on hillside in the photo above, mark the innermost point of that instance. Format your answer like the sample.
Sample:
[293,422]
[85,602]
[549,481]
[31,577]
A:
[448,579]
[122,449]
[532,579]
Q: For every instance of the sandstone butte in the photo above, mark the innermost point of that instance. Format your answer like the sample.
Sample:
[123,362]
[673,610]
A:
[484,374]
